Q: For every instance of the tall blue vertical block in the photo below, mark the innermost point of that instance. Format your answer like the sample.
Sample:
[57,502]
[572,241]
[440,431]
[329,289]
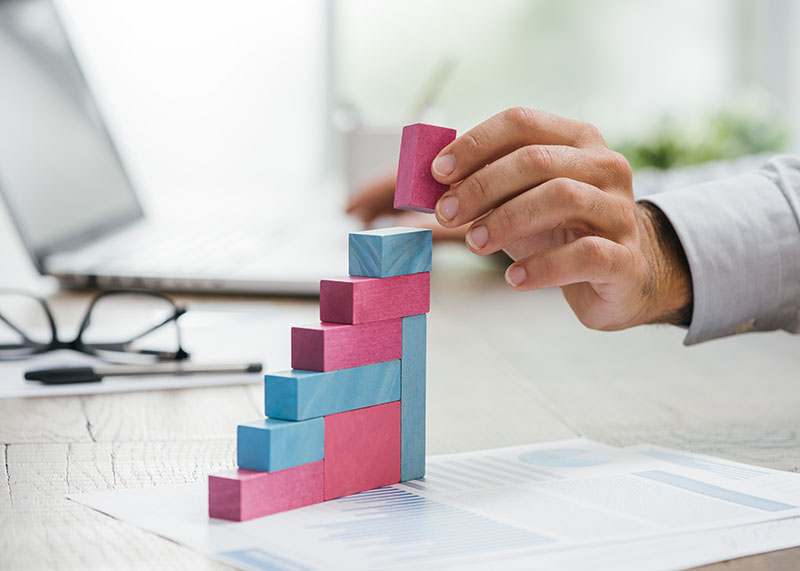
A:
[270,445]
[388,252]
[412,398]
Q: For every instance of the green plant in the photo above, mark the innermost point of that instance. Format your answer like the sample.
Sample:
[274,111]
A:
[724,135]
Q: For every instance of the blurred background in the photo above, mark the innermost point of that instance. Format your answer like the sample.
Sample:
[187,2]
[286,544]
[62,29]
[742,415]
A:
[207,97]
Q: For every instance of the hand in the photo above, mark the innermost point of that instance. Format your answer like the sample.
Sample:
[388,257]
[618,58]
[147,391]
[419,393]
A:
[548,192]
[376,199]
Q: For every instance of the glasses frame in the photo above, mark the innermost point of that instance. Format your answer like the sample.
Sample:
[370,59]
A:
[95,349]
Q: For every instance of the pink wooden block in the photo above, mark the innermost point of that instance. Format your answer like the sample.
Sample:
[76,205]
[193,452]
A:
[333,346]
[416,189]
[362,449]
[361,300]
[240,495]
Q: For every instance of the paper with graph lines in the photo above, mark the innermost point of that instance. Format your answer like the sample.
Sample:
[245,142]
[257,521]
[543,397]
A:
[572,504]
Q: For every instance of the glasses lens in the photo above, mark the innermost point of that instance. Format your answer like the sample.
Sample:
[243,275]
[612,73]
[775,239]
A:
[23,324]
[132,323]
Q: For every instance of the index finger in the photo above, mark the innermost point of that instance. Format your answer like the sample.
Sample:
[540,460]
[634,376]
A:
[506,132]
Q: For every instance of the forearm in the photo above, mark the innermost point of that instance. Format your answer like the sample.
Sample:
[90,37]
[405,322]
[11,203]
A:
[670,280]
[741,239]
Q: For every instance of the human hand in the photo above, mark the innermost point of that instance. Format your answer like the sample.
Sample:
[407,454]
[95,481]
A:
[548,192]
[376,199]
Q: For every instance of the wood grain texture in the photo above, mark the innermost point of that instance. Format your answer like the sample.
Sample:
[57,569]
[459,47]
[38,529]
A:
[333,346]
[169,415]
[299,395]
[51,532]
[388,252]
[416,189]
[361,300]
[362,450]
[783,560]
[57,419]
[412,397]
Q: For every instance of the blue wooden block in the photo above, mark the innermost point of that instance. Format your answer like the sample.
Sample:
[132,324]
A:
[412,398]
[390,252]
[298,395]
[270,445]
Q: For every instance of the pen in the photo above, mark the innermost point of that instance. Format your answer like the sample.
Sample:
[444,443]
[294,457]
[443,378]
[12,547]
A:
[67,375]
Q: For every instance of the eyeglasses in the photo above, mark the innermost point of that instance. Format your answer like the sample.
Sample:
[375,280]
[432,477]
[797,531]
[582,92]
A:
[125,325]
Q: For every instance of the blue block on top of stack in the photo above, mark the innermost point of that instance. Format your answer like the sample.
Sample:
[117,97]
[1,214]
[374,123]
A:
[270,445]
[298,395]
[412,398]
[390,252]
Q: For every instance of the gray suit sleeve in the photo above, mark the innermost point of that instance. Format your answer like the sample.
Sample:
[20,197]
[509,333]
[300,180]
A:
[742,240]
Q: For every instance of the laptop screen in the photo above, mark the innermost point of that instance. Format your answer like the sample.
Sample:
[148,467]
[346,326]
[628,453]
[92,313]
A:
[59,172]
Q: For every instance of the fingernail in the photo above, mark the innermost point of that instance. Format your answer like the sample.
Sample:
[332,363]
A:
[477,237]
[447,207]
[515,275]
[444,165]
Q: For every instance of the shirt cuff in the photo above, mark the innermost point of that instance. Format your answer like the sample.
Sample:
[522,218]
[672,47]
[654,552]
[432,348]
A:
[742,241]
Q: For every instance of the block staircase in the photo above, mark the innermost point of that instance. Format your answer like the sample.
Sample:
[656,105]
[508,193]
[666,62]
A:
[350,414]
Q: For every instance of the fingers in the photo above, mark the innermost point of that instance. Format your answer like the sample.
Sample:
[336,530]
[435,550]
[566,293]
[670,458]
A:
[506,132]
[589,259]
[558,204]
[525,168]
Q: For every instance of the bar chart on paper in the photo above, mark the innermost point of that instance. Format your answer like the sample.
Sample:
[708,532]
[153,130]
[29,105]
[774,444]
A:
[522,506]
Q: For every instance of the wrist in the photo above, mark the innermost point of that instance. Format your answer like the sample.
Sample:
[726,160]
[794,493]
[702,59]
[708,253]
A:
[668,287]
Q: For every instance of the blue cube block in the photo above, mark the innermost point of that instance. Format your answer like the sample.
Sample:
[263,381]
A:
[412,398]
[298,395]
[390,252]
[270,445]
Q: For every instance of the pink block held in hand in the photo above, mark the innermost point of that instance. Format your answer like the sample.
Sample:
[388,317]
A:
[416,188]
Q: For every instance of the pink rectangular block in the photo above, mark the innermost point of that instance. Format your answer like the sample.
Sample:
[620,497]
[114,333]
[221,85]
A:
[362,449]
[362,300]
[416,189]
[333,346]
[240,495]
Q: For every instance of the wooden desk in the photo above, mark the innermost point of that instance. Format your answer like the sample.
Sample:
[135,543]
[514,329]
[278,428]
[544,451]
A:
[504,368]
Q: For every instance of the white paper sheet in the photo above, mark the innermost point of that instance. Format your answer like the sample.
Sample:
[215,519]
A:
[577,504]
[213,334]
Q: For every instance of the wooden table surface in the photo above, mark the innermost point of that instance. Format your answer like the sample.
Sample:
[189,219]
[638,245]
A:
[504,368]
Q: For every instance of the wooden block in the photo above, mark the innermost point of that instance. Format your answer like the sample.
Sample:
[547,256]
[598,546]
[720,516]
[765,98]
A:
[270,444]
[240,495]
[416,189]
[333,346]
[298,395]
[362,450]
[390,252]
[412,398]
[361,300]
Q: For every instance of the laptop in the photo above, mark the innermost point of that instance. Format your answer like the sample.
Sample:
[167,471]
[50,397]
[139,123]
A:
[76,210]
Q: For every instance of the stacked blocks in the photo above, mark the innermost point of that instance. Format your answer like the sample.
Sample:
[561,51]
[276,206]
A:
[416,189]
[350,415]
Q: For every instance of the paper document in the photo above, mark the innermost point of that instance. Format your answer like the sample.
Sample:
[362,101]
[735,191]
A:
[574,503]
